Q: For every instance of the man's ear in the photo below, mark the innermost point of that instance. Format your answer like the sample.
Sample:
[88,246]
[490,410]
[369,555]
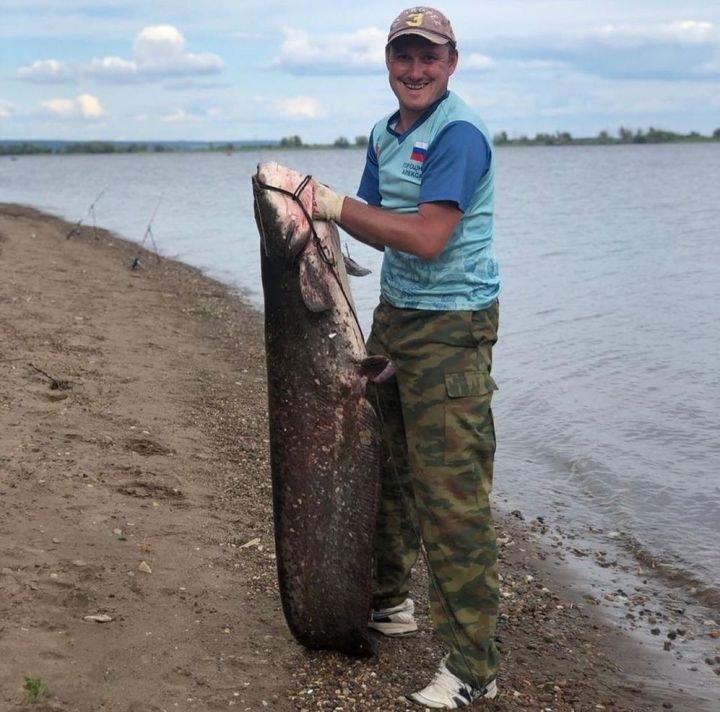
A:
[453,61]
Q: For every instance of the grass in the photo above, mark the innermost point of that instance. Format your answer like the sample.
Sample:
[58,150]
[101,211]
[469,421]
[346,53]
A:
[35,688]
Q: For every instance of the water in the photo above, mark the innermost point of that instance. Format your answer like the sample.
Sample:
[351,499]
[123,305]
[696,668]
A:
[608,415]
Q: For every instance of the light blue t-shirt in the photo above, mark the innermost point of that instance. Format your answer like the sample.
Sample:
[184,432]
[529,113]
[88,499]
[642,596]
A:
[446,155]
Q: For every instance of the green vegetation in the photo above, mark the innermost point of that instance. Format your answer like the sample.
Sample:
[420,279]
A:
[340,142]
[624,136]
[35,688]
[21,148]
[559,138]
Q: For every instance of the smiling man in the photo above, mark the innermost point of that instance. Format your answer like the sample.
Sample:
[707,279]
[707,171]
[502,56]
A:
[428,184]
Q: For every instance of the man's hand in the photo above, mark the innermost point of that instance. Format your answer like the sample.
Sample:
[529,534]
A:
[327,204]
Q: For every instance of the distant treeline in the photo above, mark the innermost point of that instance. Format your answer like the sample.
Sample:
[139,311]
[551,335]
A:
[18,148]
[624,135]
[559,138]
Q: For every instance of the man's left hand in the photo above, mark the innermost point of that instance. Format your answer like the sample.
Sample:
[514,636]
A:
[327,204]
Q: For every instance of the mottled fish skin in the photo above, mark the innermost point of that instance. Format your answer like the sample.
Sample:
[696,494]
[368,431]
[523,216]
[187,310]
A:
[324,435]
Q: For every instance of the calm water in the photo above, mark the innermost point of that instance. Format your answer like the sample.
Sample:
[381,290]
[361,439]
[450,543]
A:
[609,410]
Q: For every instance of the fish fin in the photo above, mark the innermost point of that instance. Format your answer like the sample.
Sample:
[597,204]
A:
[353,268]
[313,283]
[378,369]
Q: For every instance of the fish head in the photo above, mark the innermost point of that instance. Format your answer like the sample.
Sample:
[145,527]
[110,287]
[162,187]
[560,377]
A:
[283,209]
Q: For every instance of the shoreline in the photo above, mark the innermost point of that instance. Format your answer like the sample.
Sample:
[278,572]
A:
[162,425]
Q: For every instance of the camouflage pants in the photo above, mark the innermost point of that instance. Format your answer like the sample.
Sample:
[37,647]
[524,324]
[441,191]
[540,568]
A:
[437,475]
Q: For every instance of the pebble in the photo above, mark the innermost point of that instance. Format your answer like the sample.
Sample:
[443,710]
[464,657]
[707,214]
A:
[252,542]
[144,567]
[99,618]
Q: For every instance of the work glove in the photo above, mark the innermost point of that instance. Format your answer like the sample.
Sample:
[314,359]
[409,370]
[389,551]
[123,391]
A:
[327,204]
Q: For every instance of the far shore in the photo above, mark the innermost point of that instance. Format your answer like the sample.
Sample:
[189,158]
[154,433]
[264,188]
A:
[624,137]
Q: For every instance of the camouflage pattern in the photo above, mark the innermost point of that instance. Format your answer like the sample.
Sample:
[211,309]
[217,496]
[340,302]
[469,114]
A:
[438,463]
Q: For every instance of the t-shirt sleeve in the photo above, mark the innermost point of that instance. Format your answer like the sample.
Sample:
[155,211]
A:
[456,161]
[369,189]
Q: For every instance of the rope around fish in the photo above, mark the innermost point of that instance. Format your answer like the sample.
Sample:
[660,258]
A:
[326,258]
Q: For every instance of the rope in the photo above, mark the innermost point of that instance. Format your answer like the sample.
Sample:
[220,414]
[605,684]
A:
[324,255]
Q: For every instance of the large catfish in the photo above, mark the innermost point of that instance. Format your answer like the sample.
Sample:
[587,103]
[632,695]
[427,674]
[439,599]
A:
[324,434]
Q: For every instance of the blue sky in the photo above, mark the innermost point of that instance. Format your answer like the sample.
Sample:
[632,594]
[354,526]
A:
[241,69]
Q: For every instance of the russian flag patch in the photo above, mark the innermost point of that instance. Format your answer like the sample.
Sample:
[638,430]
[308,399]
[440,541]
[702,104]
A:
[419,151]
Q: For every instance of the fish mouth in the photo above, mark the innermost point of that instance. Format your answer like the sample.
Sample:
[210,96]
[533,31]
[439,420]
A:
[284,231]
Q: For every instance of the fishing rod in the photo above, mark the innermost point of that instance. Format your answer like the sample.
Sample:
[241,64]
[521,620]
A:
[75,230]
[149,233]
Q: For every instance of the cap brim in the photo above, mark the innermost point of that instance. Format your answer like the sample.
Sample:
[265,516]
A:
[432,36]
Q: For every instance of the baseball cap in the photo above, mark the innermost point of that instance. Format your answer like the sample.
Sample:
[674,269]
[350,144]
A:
[424,21]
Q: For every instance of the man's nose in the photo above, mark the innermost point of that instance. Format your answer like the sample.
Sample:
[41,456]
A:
[416,67]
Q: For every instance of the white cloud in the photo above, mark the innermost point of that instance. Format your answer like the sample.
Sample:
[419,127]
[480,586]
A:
[191,114]
[85,105]
[90,106]
[160,49]
[5,109]
[62,107]
[300,107]
[46,70]
[159,52]
[112,68]
[177,116]
[667,51]
[686,31]
[360,52]
[477,62]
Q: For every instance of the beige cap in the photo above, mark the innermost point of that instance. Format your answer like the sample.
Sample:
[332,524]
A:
[424,21]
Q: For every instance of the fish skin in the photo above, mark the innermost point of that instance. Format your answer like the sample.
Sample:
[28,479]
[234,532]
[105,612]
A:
[325,440]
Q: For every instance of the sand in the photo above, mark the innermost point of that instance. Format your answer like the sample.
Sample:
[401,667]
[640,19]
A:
[137,570]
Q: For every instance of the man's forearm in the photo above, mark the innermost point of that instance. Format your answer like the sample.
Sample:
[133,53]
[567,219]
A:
[363,239]
[423,233]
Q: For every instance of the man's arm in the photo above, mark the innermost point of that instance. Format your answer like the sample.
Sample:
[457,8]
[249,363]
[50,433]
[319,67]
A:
[424,233]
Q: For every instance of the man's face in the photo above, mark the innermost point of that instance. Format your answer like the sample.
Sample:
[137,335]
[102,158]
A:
[418,71]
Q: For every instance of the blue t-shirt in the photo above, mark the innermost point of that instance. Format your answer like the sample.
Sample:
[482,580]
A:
[446,155]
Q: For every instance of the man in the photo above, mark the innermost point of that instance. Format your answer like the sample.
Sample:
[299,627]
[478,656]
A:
[428,183]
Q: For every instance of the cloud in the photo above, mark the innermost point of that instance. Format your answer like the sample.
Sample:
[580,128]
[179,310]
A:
[191,114]
[668,51]
[362,52]
[159,52]
[46,70]
[177,116]
[300,107]
[477,62]
[85,105]
[5,109]
[683,32]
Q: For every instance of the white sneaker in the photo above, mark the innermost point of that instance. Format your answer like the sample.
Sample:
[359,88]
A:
[396,621]
[448,692]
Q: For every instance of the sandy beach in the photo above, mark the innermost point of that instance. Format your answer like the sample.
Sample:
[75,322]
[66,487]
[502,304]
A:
[137,571]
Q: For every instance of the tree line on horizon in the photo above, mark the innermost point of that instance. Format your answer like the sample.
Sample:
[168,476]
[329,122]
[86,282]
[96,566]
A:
[559,138]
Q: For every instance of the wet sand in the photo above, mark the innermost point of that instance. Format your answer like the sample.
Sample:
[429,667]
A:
[137,571]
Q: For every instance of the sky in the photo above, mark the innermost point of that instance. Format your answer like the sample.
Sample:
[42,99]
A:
[232,70]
